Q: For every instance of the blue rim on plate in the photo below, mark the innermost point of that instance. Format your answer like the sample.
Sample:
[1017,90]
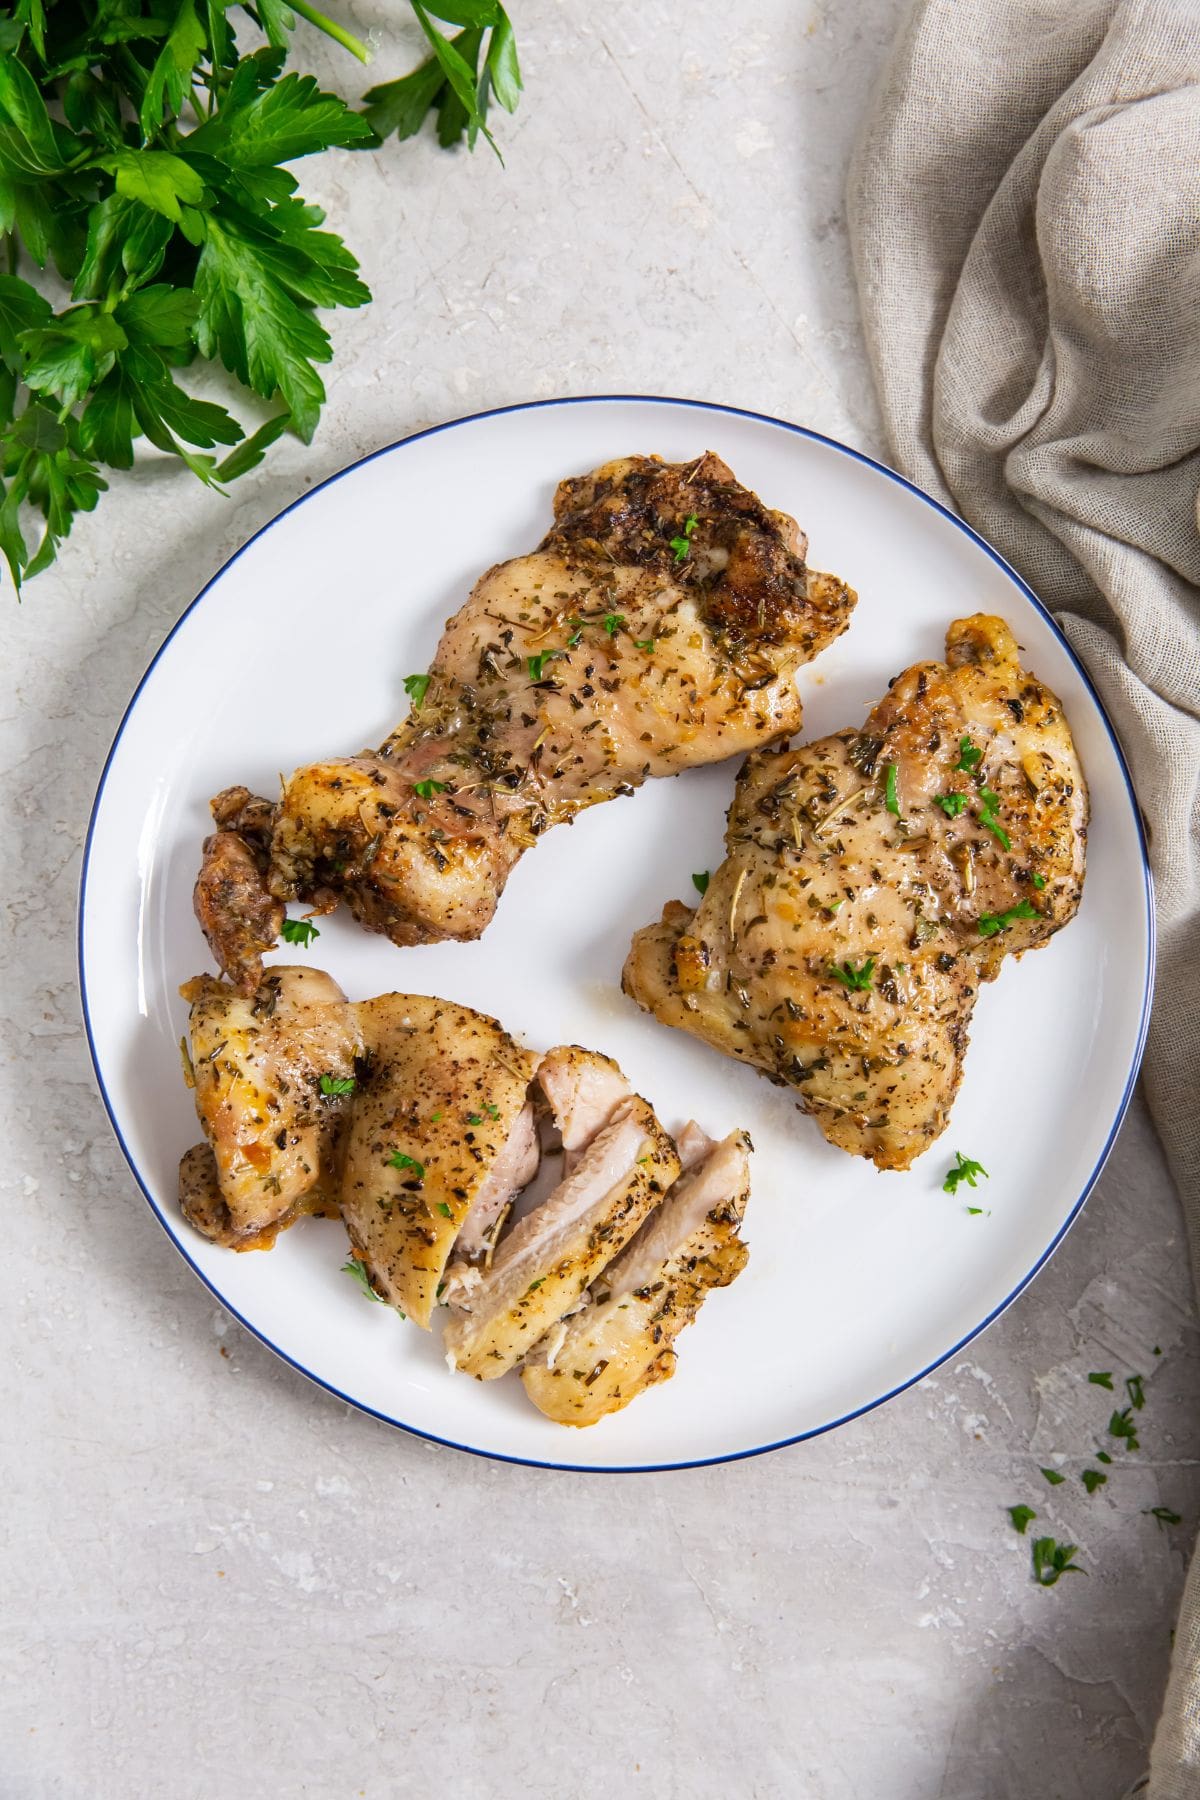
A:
[1143,1022]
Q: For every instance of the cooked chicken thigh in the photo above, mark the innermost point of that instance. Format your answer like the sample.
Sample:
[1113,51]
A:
[440,1138]
[599,1359]
[269,1072]
[872,880]
[660,624]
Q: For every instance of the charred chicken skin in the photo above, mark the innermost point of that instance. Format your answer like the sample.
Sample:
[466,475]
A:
[872,881]
[659,625]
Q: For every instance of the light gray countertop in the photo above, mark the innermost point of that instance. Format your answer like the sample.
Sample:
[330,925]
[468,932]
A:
[218,1581]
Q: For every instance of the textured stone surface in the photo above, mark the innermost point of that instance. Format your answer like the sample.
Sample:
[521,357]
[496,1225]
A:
[218,1582]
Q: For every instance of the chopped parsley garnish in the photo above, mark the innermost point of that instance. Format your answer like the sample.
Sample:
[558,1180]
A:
[416,687]
[990,923]
[337,1084]
[435,1118]
[964,1170]
[682,545]
[857,980]
[968,755]
[1039,881]
[1164,1515]
[614,622]
[700,882]
[399,1159]
[444,1210]
[951,804]
[1021,1516]
[537,664]
[358,1270]
[1053,1477]
[491,1109]
[646,644]
[1092,1479]
[576,633]
[1101,1378]
[425,790]
[474,1118]
[535,1285]
[891,798]
[989,806]
[298,931]
[1122,1425]
[1050,1560]
[976,1210]
[1135,1388]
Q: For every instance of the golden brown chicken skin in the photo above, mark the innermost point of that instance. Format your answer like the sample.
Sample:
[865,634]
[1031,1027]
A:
[872,880]
[659,625]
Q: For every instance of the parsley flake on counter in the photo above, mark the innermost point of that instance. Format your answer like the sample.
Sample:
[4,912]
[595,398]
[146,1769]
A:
[951,804]
[1092,1479]
[857,980]
[990,923]
[700,882]
[891,798]
[298,931]
[399,1159]
[425,790]
[1021,1516]
[1164,1515]
[968,755]
[988,810]
[1122,1426]
[337,1084]
[416,687]
[965,1169]
[1135,1388]
[1103,1456]
[1053,1477]
[358,1270]
[1101,1378]
[1051,1559]
[977,1210]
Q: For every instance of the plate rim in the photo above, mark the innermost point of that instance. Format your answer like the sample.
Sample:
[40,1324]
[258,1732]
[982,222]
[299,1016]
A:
[861,456]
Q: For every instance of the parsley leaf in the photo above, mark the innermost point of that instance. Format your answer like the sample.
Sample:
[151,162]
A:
[989,804]
[1093,1479]
[613,622]
[298,931]
[646,644]
[1053,1477]
[1051,1559]
[425,790]
[416,687]
[1135,1388]
[990,923]
[444,1210]
[1164,1515]
[491,1109]
[1101,1378]
[964,1170]
[968,755]
[891,797]
[700,882]
[358,1269]
[1103,1456]
[951,804]
[337,1084]
[399,1159]
[1021,1517]
[1039,881]
[537,664]
[682,545]
[1122,1426]
[857,980]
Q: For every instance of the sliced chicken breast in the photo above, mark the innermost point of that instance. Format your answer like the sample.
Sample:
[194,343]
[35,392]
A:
[597,1361]
[545,1263]
[439,1138]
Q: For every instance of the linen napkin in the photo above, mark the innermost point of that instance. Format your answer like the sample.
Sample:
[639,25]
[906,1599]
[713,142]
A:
[1025,220]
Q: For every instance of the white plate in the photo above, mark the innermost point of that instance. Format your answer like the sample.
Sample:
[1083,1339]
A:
[858,1282]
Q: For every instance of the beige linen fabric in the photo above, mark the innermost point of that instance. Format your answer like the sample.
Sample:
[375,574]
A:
[1025,218]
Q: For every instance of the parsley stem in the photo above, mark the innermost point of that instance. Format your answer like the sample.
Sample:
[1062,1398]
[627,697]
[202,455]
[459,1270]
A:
[332,29]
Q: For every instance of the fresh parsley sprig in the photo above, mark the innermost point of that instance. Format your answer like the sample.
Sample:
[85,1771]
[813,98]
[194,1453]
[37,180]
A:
[143,158]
